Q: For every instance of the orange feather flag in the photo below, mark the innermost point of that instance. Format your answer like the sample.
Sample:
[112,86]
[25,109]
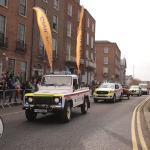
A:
[79,38]
[45,32]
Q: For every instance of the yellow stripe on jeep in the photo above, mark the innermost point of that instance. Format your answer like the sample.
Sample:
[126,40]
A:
[43,95]
[58,95]
[29,94]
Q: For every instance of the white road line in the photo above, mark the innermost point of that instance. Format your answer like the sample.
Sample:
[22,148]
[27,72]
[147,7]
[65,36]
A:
[134,141]
[143,144]
[12,113]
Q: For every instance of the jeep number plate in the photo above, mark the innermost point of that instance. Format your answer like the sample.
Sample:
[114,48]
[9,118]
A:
[40,110]
[101,94]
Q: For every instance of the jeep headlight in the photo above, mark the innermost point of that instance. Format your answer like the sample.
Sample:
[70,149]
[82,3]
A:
[56,100]
[30,99]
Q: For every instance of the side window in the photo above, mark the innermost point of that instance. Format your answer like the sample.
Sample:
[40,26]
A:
[75,84]
[116,86]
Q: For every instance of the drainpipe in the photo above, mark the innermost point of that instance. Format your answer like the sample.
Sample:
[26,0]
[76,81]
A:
[32,42]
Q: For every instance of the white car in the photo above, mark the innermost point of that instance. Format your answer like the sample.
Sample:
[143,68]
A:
[108,92]
[135,90]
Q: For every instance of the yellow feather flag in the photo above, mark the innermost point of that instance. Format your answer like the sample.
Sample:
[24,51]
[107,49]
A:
[45,32]
[79,38]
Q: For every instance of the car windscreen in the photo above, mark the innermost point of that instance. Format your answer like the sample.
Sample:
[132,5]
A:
[112,86]
[134,87]
[143,86]
[56,81]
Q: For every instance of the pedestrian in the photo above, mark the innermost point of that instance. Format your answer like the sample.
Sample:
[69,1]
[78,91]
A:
[11,87]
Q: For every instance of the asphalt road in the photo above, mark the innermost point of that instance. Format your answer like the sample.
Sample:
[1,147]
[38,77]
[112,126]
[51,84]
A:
[106,126]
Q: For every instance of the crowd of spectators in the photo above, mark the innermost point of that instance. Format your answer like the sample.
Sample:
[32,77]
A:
[15,88]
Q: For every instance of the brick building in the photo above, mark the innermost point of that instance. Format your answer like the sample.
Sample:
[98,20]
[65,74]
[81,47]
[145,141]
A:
[16,36]
[108,57]
[23,51]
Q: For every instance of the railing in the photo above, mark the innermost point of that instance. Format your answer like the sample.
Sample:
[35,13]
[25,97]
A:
[21,46]
[3,40]
[105,74]
[12,96]
[73,59]
[90,64]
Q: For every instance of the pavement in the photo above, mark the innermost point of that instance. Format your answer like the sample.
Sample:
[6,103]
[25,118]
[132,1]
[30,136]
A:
[147,114]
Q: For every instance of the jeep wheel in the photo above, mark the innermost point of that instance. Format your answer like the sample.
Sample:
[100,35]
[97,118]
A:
[66,114]
[95,100]
[84,107]
[120,97]
[114,99]
[30,115]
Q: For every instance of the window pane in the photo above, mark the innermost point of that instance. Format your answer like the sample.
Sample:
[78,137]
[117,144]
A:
[87,38]
[69,9]
[2,24]
[22,9]
[55,22]
[105,70]
[21,32]
[56,4]
[69,25]
[105,60]
[105,49]
[3,2]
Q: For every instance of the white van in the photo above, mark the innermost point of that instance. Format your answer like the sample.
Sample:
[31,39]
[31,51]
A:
[145,88]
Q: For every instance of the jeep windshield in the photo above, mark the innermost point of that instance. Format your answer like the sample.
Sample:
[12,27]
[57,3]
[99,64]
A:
[112,86]
[56,81]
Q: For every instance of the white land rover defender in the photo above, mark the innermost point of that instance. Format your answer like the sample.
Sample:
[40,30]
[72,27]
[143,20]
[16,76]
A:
[57,93]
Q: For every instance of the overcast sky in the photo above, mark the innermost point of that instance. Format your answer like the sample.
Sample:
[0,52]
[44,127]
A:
[127,23]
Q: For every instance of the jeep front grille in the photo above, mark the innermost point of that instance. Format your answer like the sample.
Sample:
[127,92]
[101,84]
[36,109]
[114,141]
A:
[102,92]
[43,100]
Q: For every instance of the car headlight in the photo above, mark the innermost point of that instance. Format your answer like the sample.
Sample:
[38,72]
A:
[56,100]
[30,99]
[109,91]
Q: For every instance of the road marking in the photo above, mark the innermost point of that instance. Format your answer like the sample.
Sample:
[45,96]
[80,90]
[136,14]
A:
[134,141]
[12,113]
[143,144]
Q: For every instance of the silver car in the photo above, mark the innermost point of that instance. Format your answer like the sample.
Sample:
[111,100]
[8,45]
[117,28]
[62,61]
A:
[135,90]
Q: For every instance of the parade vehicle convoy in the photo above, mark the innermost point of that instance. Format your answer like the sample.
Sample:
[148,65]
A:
[108,92]
[57,93]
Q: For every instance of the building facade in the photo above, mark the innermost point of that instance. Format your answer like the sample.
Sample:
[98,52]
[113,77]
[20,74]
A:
[21,48]
[123,67]
[16,36]
[108,56]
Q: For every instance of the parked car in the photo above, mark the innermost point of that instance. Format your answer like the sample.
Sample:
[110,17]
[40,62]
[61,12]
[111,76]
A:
[135,90]
[144,87]
[126,92]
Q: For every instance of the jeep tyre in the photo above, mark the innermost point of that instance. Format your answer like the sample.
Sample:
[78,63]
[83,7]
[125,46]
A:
[113,99]
[120,97]
[66,114]
[84,107]
[95,100]
[30,115]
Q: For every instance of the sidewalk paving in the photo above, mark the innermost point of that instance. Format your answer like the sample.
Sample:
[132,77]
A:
[147,114]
